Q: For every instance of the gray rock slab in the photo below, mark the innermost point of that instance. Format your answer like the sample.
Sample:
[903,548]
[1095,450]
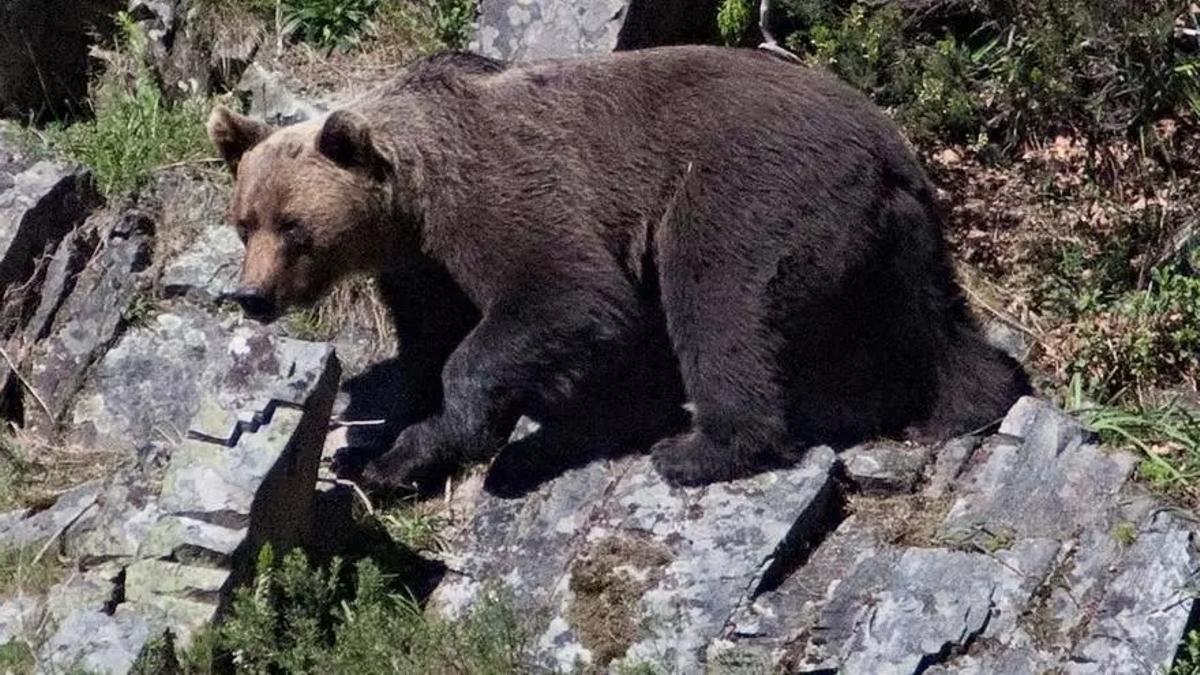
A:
[19,618]
[529,30]
[897,612]
[244,477]
[885,468]
[1039,477]
[206,269]
[40,206]
[95,642]
[182,361]
[73,509]
[688,557]
[91,318]
[1147,606]
[272,101]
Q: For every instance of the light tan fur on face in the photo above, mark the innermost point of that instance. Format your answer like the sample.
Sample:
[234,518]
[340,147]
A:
[334,212]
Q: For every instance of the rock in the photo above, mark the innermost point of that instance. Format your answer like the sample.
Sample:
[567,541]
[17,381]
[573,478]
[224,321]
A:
[1026,551]
[160,373]
[902,612]
[95,642]
[1146,610]
[44,63]
[19,617]
[208,268]
[72,509]
[167,563]
[652,572]
[101,300]
[1008,560]
[198,49]
[1039,478]
[127,508]
[528,30]
[244,477]
[43,204]
[271,100]
[884,468]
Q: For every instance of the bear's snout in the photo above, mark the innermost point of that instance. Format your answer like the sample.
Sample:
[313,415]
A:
[255,304]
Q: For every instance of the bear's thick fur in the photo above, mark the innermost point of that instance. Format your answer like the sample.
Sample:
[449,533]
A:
[594,242]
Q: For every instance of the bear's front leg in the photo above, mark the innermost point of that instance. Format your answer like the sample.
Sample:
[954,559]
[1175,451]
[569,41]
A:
[520,358]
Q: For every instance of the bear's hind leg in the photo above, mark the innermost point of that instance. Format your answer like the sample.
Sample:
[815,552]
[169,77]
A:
[740,425]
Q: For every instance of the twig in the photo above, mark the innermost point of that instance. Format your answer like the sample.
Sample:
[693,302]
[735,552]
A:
[336,423]
[190,162]
[769,43]
[29,387]
[362,496]
[65,526]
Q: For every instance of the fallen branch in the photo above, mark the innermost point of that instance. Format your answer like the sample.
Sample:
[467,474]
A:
[25,383]
[362,496]
[62,530]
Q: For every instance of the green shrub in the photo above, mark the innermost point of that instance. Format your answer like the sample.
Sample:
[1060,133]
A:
[329,24]
[861,46]
[431,24]
[298,619]
[733,20]
[17,657]
[1039,67]
[134,130]
[453,21]
[1140,340]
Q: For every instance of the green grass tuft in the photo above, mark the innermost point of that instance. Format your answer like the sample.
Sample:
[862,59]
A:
[134,130]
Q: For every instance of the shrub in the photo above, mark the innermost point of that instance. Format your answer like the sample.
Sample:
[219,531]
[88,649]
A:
[299,619]
[733,20]
[1039,67]
[1140,340]
[328,24]
[134,130]
[431,24]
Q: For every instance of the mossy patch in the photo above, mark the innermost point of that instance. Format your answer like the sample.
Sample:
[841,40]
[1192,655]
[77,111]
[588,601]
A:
[608,580]
[903,520]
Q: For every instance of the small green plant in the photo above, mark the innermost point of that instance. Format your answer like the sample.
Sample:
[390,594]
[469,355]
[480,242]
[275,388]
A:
[1166,436]
[1124,533]
[306,324]
[861,47]
[1140,339]
[329,24]
[134,129]
[17,657]
[415,528]
[28,570]
[453,21]
[140,310]
[1187,662]
[429,25]
[733,20]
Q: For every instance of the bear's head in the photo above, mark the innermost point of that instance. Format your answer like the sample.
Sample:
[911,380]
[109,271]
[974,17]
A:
[309,203]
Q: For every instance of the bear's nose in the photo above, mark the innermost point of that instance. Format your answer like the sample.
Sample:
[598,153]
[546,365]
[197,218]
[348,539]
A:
[256,304]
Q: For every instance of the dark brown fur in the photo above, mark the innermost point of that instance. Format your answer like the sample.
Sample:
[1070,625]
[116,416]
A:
[590,242]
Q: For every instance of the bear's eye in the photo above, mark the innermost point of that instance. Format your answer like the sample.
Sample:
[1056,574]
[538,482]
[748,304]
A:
[289,226]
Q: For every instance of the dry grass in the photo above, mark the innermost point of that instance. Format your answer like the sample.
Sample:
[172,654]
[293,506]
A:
[1049,240]
[35,472]
[356,302]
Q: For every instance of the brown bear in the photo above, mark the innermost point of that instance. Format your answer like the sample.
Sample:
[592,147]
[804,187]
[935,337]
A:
[594,242]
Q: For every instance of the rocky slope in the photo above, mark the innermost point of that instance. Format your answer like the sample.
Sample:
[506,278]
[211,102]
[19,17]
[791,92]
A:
[1028,550]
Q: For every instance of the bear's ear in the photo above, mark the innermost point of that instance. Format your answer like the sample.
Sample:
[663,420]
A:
[234,134]
[347,141]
